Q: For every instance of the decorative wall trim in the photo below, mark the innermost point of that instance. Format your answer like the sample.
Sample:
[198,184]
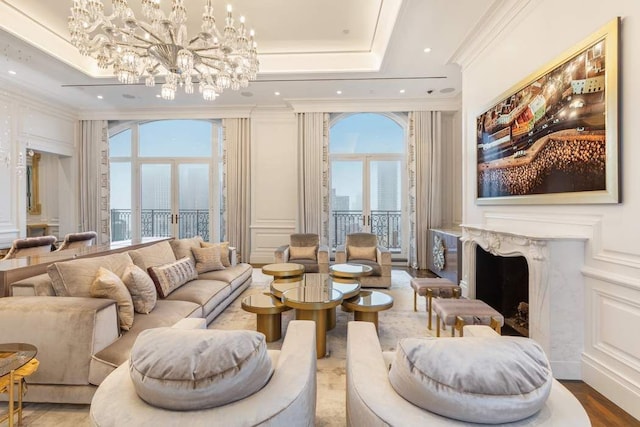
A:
[374,105]
[499,16]
[613,278]
[213,112]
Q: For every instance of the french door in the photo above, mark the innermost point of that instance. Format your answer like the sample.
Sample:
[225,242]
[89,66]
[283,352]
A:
[175,199]
[367,196]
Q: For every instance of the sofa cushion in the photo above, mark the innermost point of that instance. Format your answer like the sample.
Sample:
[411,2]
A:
[182,247]
[361,252]
[207,259]
[74,278]
[224,251]
[141,287]
[198,368]
[206,293]
[169,277]
[475,379]
[234,276]
[107,284]
[156,254]
[303,252]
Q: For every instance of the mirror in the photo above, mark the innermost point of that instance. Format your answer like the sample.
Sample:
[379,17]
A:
[33,190]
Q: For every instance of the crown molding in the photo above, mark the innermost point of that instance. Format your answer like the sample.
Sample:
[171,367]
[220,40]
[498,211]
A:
[374,105]
[226,112]
[499,16]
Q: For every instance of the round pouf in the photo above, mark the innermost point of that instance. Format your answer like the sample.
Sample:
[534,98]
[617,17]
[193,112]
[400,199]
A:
[489,380]
[196,369]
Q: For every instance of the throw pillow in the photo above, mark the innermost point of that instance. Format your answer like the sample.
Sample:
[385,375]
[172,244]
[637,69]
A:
[156,254]
[207,259]
[224,251]
[142,289]
[303,252]
[107,284]
[362,252]
[490,380]
[182,247]
[194,369]
[169,277]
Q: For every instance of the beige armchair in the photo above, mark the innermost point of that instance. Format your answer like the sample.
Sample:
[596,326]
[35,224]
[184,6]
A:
[30,246]
[305,249]
[78,240]
[363,248]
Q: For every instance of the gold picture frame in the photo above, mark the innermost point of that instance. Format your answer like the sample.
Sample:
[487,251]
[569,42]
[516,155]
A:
[553,137]
[33,185]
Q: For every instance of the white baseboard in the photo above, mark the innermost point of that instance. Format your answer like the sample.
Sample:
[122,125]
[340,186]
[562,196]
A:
[613,386]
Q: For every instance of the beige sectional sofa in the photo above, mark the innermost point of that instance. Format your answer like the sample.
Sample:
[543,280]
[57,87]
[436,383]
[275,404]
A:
[79,339]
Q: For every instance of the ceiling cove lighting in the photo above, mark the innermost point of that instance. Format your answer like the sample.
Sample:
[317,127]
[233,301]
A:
[159,45]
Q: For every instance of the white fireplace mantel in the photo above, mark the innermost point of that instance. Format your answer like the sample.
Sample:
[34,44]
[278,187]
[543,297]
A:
[556,287]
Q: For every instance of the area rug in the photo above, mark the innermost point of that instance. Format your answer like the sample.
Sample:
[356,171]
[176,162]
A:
[398,322]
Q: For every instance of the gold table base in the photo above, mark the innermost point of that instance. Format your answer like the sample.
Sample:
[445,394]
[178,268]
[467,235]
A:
[8,385]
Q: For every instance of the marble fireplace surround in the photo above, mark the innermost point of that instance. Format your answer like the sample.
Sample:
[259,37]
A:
[556,287]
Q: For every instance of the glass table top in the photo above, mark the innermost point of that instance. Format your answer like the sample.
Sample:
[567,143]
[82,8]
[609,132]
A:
[347,286]
[371,299]
[312,294]
[14,356]
[350,270]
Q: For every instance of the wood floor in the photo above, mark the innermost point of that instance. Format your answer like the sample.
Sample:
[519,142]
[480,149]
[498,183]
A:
[602,412]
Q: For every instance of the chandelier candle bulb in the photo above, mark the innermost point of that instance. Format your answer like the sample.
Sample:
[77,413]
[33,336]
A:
[159,45]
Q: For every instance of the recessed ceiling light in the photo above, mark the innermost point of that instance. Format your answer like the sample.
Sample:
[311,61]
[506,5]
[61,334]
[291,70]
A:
[447,90]
[99,96]
[427,49]
[276,93]
[157,96]
[339,92]
[13,73]
[401,90]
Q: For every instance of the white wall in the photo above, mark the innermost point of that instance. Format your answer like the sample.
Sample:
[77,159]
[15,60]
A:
[535,35]
[27,123]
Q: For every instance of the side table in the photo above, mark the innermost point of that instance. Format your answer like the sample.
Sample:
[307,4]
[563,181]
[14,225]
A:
[367,304]
[268,310]
[17,361]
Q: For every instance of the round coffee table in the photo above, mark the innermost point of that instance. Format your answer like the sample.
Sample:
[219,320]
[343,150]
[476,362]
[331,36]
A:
[283,270]
[268,310]
[279,286]
[312,303]
[367,304]
[350,271]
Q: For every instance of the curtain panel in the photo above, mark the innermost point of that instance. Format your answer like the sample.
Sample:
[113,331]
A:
[94,179]
[236,186]
[313,174]
[425,181]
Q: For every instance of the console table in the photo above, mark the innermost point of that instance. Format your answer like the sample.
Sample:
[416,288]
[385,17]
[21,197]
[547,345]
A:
[15,269]
[444,253]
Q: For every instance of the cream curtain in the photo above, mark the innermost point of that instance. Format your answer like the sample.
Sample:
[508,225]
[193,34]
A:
[425,181]
[94,179]
[313,174]
[237,197]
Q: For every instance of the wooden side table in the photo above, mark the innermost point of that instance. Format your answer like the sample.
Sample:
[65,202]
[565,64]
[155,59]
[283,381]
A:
[17,361]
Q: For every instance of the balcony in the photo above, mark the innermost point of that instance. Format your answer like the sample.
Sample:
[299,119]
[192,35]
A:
[157,222]
[387,225]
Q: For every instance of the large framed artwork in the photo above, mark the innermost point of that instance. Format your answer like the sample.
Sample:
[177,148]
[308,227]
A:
[553,138]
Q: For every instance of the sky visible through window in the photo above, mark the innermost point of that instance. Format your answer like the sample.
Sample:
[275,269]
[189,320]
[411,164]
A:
[366,133]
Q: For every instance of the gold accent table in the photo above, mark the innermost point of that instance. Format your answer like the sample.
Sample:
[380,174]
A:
[350,271]
[312,303]
[268,310]
[367,304]
[17,361]
[283,270]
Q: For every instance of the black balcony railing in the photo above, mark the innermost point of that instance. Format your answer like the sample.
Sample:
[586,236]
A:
[387,225]
[157,223]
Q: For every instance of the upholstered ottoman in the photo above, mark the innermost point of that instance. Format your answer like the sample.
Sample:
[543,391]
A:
[459,312]
[430,287]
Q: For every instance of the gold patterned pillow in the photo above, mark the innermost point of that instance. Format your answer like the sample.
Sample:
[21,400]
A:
[169,277]
[362,252]
[303,252]
[107,284]
[207,259]
[224,251]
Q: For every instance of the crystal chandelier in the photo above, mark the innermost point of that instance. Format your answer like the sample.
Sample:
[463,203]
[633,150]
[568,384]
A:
[160,45]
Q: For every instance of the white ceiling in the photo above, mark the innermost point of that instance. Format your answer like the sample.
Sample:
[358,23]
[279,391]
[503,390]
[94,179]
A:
[308,50]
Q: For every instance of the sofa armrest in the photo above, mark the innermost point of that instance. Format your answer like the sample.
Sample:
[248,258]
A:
[39,285]
[383,255]
[281,254]
[66,330]
[323,259]
[341,254]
